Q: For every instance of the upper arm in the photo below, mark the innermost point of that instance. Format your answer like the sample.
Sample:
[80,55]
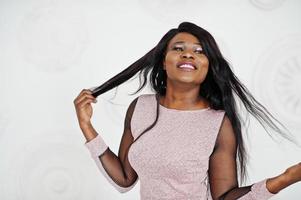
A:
[126,140]
[222,162]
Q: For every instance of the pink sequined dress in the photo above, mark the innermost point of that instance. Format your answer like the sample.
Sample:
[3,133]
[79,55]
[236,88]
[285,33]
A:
[171,159]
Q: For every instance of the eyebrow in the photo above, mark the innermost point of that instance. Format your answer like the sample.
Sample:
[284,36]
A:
[181,42]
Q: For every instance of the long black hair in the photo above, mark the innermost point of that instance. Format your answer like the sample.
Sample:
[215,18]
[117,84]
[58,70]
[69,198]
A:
[221,87]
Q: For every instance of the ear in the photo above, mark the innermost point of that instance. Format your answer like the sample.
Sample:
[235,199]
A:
[164,66]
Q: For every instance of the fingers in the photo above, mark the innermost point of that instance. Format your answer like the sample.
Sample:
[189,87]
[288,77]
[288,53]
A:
[84,102]
[84,94]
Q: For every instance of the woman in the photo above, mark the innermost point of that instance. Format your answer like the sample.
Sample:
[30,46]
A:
[189,150]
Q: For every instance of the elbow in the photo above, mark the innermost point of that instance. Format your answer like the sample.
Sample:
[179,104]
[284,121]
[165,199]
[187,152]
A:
[218,198]
[127,187]
[123,190]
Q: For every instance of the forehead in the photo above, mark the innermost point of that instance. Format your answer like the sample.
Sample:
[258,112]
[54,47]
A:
[184,37]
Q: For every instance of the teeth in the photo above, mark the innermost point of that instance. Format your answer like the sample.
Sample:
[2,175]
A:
[186,66]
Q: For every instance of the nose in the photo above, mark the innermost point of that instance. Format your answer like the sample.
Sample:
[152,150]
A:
[187,54]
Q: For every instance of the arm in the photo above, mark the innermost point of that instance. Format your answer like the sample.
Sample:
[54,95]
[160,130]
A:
[116,169]
[222,171]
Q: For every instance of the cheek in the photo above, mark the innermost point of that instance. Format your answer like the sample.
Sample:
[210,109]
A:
[170,58]
[204,62]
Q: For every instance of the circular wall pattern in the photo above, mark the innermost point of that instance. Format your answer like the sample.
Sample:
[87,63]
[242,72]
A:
[162,10]
[169,10]
[52,176]
[267,4]
[277,78]
[53,36]
[49,167]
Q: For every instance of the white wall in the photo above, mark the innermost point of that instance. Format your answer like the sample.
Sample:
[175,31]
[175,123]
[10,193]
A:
[51,50]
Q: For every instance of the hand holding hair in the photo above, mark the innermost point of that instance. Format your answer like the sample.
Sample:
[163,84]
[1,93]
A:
[84,112]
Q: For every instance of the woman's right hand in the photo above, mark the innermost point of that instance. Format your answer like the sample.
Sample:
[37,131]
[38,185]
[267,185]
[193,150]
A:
[83,106]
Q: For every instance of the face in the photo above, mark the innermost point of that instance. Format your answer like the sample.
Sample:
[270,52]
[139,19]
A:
[185,60]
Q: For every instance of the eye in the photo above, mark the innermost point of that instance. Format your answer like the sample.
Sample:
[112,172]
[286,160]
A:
[199,50]
[178,48]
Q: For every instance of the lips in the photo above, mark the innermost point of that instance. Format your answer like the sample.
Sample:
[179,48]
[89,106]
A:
[186,65]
